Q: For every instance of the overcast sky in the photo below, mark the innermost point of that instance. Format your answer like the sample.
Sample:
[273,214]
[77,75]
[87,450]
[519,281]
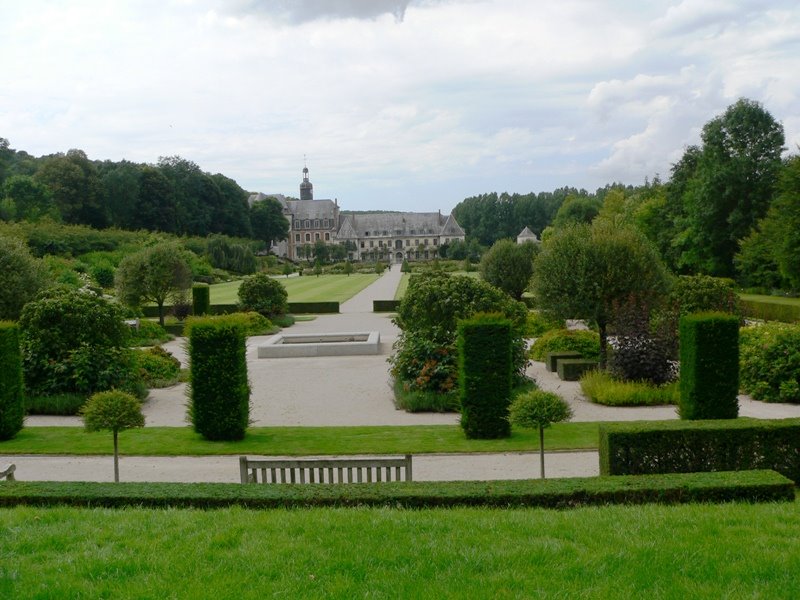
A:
[397,105]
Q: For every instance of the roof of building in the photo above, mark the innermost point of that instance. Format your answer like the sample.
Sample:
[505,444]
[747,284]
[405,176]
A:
[399,223]
[312,209]
[527,234]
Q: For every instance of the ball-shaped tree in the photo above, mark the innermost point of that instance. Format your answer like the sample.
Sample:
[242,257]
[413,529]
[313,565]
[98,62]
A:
[539,409]
[263,294]
[113,411]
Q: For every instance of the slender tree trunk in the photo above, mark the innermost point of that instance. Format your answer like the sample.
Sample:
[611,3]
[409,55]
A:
[601,326]
[161,312]
[541,449]
[116,459]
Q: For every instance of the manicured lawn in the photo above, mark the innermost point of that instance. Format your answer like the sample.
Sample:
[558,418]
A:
[771,299]
[688,551]
[402,286]
[177,441]
[325,288]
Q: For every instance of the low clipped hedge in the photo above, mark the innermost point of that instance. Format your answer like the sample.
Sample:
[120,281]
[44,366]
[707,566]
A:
[586,343]
[314,308]
[770,311]
[747,486]
[385,305]
[643,447]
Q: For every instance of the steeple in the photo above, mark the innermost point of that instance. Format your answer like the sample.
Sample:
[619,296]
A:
[306,189]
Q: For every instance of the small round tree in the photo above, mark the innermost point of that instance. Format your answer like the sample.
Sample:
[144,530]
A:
[540,409]
[509,266]
[263,294]
[114,411]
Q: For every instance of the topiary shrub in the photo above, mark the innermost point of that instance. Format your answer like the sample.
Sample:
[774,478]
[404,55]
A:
[219,393]
[405,267]
[484,373]
[253,323]
[115,411]
[201,299]
[263,294]
[12,405]
[709,376]
[539,409]
[769,362]
[103,274]
[74,342]
[587,343]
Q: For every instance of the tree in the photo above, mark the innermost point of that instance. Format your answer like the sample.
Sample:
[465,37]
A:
[786,211]
[583,271]
[114,411]
[541,409]
[509,266]
[577,209]
[32,199]
[154,274]
[21,277]
[75,185]
[731,187]
[263,294]
[268,222]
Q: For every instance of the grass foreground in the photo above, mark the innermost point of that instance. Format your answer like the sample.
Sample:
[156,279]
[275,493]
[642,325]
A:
[296,441]
[650,551]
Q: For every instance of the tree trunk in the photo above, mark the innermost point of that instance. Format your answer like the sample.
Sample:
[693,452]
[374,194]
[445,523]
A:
[116,459]
[161,312]
[541,449]
[601,326]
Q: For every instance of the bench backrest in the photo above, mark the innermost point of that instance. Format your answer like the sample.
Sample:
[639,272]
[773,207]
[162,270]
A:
[8,472]
[343,470]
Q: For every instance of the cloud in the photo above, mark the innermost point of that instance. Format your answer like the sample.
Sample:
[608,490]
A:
[303,11]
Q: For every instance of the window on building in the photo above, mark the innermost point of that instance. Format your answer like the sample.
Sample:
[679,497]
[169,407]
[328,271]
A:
[435,241]
[385,232]
[327,237]
[308,237]
[380,243]
[316,223]
[398,232]
[366,234]
[325,224]
[308,224]
[408,243]
[297,224]
[426,242]
[416,242]
[362,243]
[371,244]
[297,237]
[316,237]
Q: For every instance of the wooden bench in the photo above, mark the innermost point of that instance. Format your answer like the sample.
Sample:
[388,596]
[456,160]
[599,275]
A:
[8,472]
[323,470]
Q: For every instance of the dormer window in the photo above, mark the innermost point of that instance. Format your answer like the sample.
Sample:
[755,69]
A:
[366,234]
[316,223]
[308,224]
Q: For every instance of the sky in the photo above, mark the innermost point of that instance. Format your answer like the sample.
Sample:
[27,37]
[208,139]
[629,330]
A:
[394,104]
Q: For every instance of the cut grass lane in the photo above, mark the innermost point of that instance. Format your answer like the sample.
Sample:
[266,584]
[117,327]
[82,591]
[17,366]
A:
[325,288]
[296,441]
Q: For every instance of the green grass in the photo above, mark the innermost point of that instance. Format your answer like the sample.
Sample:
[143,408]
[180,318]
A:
[651,551]
[402,286]
[601,388]
[177,441]
[771,299]
[325,288]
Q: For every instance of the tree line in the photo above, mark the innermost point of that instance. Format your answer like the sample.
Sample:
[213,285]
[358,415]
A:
[172,196]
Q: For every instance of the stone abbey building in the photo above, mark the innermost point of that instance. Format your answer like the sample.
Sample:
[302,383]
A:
[389,236]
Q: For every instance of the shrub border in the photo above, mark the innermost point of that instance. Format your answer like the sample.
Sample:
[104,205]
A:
[747,486]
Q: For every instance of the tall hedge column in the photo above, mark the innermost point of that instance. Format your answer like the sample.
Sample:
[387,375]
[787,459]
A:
[219,405]
[12,406]
[709,353]
[484,369]
[201,299]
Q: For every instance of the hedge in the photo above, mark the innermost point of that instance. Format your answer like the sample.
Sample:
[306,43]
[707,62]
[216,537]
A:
[709,371]
[12,404]
[639,448]
[770,311]
[484,374]
[571,369]
[201,299]
[317,308]
[748,486]
[385,305]
[219,400]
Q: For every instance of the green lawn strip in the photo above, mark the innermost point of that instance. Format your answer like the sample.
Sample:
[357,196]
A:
[296,441]
[402,286]
[325,288]
[771,299]
[674,488]
[698,551]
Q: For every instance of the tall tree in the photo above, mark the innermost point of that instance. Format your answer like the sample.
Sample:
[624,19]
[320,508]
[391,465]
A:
[75,185]
[32,200]
[732,185]
[584,271]
[268,222]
